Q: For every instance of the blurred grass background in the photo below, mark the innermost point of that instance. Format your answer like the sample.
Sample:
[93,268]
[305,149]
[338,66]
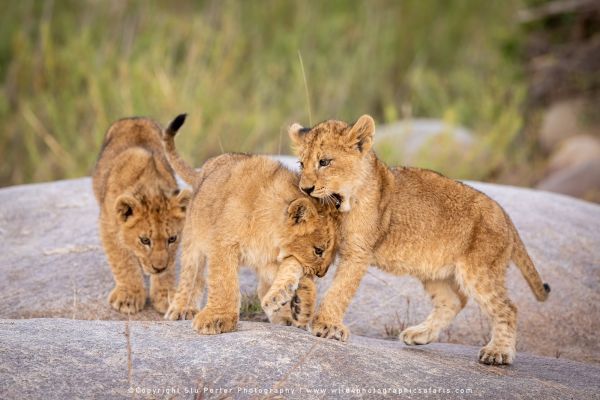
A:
[69,68]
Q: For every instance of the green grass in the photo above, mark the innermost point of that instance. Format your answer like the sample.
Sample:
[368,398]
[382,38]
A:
[250,308]
[69,68]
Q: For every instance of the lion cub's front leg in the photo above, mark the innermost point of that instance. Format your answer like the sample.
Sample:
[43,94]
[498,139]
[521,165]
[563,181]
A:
[303,303]
[300,310]
[222,309]
[184,304]
[126,299]
[129,294]
[283,288]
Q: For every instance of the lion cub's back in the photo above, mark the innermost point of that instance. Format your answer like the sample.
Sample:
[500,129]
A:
[235,187]
[131,146]
[438,209]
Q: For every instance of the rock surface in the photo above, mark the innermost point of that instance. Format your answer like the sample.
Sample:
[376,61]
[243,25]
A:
[63,358]
[563,119]
[411,137]
[581,180]
[574,151]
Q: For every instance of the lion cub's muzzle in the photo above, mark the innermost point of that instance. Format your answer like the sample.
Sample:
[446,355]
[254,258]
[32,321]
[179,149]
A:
[322,272]
[336,198]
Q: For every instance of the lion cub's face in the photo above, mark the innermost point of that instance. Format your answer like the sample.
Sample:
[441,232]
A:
[151,227]
[309,236]
[333,158]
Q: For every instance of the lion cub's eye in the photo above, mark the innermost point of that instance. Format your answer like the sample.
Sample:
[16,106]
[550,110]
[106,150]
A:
[145,241]
[319,251]
[324,162]
[172,239]
[301,164]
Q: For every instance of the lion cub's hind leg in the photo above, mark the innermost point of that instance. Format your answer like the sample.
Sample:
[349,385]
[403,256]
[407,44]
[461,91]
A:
[447,300]
[487,286]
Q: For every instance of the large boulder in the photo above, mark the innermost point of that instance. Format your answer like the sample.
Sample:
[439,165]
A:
[574,151]
[62,358]
[562,120]
[581,180]
[52,265]
[574,168]
[415,138]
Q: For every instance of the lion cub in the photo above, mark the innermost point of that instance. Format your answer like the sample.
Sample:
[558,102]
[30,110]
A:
[454,238]
[248,210]
[141,213]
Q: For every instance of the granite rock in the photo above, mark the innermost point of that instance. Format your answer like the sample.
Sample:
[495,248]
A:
[62,358]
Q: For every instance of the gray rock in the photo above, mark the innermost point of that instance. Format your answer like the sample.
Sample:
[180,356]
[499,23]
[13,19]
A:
[411,137]
[574,151]
[561,120]
[61,358]
[581,180]
[52,265]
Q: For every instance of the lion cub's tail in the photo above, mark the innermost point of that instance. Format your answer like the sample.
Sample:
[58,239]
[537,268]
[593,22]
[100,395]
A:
[521,258]
[183,169]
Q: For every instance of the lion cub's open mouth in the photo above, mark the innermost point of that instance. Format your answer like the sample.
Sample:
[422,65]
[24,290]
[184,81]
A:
[338,199]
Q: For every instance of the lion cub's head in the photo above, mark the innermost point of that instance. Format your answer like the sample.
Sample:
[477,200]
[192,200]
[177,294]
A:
[150,226]
[309,235]
[333,158]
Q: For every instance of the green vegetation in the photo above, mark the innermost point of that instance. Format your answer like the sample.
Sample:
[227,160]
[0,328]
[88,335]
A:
[250,308]
[69,68]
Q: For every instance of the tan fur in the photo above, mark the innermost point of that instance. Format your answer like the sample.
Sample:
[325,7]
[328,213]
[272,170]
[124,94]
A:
[247,210]
[456,240]
[138,197]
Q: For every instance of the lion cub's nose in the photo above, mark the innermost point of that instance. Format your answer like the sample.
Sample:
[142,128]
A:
[308,190]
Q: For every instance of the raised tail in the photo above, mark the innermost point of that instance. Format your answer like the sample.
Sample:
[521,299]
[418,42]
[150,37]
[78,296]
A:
[183,169]
[522,260]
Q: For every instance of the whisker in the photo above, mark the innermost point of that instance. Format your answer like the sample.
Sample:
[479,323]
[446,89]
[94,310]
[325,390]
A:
[330,200]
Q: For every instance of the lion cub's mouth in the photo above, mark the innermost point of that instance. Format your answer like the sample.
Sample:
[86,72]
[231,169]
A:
[337,199]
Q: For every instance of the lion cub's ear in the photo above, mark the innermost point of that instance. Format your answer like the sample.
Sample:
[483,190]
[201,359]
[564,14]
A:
[180,201]
[126,207]
[361,133]
[297,132]
[301,210]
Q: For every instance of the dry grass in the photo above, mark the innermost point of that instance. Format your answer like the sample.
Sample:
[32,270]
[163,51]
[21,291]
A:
[393,329]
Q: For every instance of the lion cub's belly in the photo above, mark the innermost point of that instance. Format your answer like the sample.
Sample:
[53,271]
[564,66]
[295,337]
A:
[422,263]
[256,259]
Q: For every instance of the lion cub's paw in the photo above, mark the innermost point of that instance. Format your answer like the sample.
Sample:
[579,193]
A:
[495,355]
[277,298]
[303,304]
[176,312]
[418,334]
[207,322]
[126,300]
[325,329]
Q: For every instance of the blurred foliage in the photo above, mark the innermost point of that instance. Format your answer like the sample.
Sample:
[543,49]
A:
[69,68]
